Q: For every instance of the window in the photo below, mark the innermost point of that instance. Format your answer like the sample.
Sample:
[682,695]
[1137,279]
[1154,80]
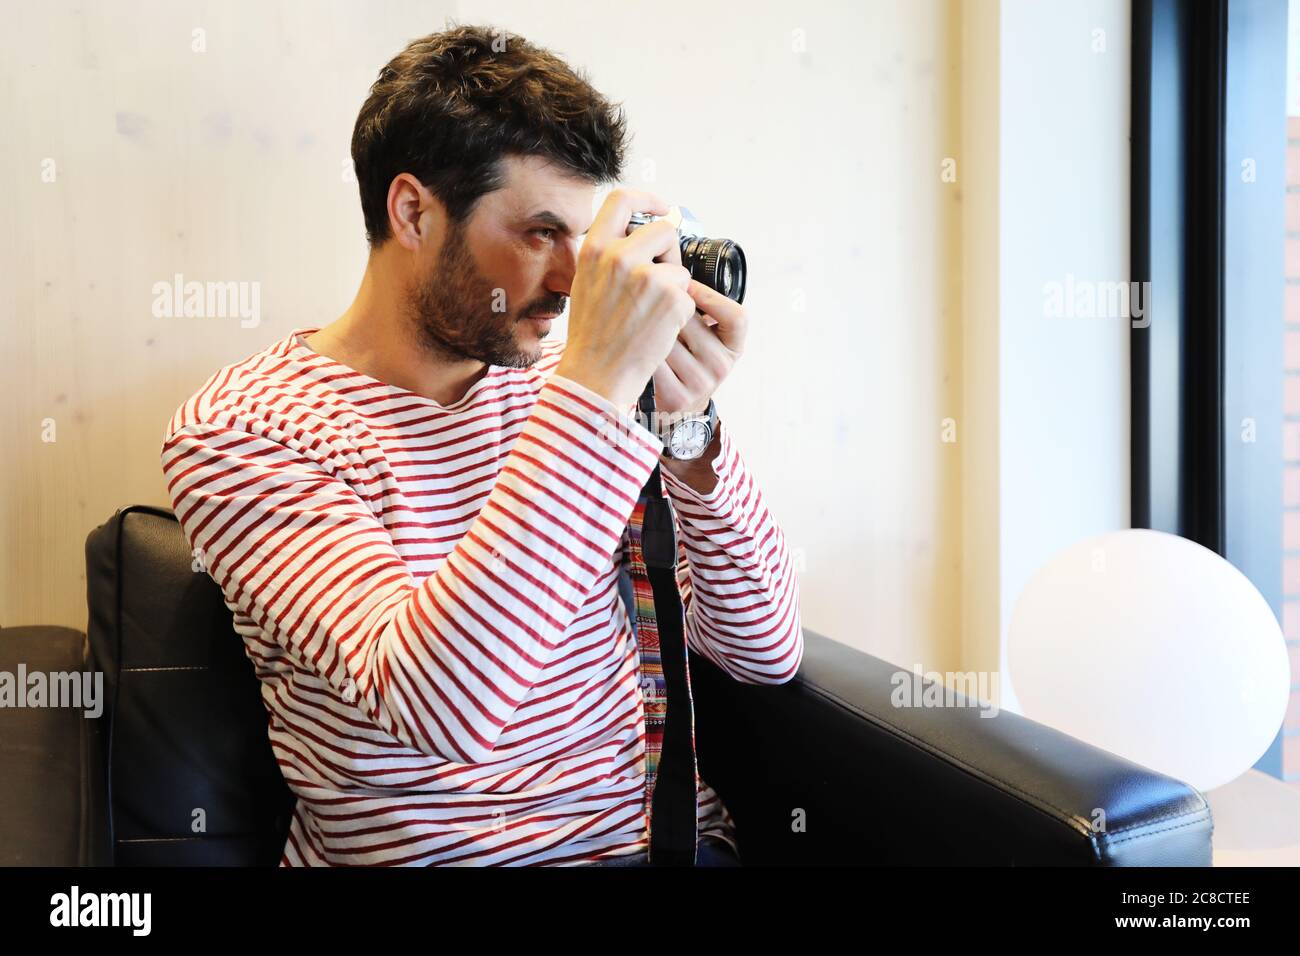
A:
[1216,373]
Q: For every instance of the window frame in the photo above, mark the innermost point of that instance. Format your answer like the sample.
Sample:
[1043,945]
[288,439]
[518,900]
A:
[1208,361]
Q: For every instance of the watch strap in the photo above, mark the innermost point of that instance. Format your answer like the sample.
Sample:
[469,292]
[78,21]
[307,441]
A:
[646,412]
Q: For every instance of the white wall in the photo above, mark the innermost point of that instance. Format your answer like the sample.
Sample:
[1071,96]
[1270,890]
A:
[221,165]
[821,155]
[825,165]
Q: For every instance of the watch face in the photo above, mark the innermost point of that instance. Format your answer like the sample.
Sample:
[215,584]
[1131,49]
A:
[689,439]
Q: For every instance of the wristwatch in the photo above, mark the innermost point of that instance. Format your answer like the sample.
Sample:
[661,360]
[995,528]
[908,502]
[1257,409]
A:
[687,438]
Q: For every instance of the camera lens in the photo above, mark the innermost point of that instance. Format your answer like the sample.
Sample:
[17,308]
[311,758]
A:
[718,263]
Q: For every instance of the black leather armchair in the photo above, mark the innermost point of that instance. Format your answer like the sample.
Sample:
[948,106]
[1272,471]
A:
[185,728]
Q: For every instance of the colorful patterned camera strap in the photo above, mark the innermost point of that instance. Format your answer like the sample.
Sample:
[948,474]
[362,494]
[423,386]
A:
[671,771]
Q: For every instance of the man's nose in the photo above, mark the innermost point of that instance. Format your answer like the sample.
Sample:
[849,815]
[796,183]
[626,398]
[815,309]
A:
[564,264]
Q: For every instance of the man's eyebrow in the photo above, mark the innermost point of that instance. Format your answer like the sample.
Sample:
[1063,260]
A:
[553,221]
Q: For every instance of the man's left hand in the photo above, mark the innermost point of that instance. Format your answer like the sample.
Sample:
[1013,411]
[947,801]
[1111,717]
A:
[704,354]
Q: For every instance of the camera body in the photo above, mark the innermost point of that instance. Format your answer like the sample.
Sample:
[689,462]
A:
[717,263]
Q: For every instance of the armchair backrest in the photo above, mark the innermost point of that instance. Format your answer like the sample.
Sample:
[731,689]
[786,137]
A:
[185,774]
[188,776]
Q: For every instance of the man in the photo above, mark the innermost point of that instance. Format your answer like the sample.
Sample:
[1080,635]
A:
[417,513]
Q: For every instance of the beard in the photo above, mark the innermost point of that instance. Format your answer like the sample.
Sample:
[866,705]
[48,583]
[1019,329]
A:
[452,311]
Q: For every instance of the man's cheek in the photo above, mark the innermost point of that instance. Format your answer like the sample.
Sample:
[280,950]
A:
[500,300]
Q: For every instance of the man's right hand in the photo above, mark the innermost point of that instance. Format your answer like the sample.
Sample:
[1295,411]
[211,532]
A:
[626,308]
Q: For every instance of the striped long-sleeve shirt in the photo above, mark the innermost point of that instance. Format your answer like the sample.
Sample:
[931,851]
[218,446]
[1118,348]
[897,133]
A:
[429,597]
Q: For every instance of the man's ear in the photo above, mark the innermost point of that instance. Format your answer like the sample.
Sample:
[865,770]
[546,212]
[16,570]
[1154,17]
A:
[415,216]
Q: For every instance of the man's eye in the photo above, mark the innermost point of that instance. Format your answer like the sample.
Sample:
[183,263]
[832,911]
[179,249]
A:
[544,233]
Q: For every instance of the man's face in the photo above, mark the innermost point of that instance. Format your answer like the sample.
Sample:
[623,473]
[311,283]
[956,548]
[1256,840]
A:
[513,258]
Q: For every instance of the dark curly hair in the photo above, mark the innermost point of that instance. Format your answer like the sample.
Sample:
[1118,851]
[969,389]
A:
[451,105]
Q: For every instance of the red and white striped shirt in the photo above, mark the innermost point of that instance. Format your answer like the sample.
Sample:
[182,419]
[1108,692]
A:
[429,596]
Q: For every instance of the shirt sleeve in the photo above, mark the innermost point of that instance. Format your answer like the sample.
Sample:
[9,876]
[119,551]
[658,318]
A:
[441,665]
[739,588]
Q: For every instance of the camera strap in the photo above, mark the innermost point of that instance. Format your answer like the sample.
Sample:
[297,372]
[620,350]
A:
[655,606]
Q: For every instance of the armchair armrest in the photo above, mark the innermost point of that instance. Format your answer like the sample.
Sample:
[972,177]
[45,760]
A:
[879,784]
[48,794]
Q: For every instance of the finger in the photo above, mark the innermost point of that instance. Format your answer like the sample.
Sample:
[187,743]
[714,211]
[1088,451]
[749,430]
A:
[674,251]
[611,221]
[678,278]
[732,322]
[665,295]
[703,342]
[670,393]
[691,373]
[655,241]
